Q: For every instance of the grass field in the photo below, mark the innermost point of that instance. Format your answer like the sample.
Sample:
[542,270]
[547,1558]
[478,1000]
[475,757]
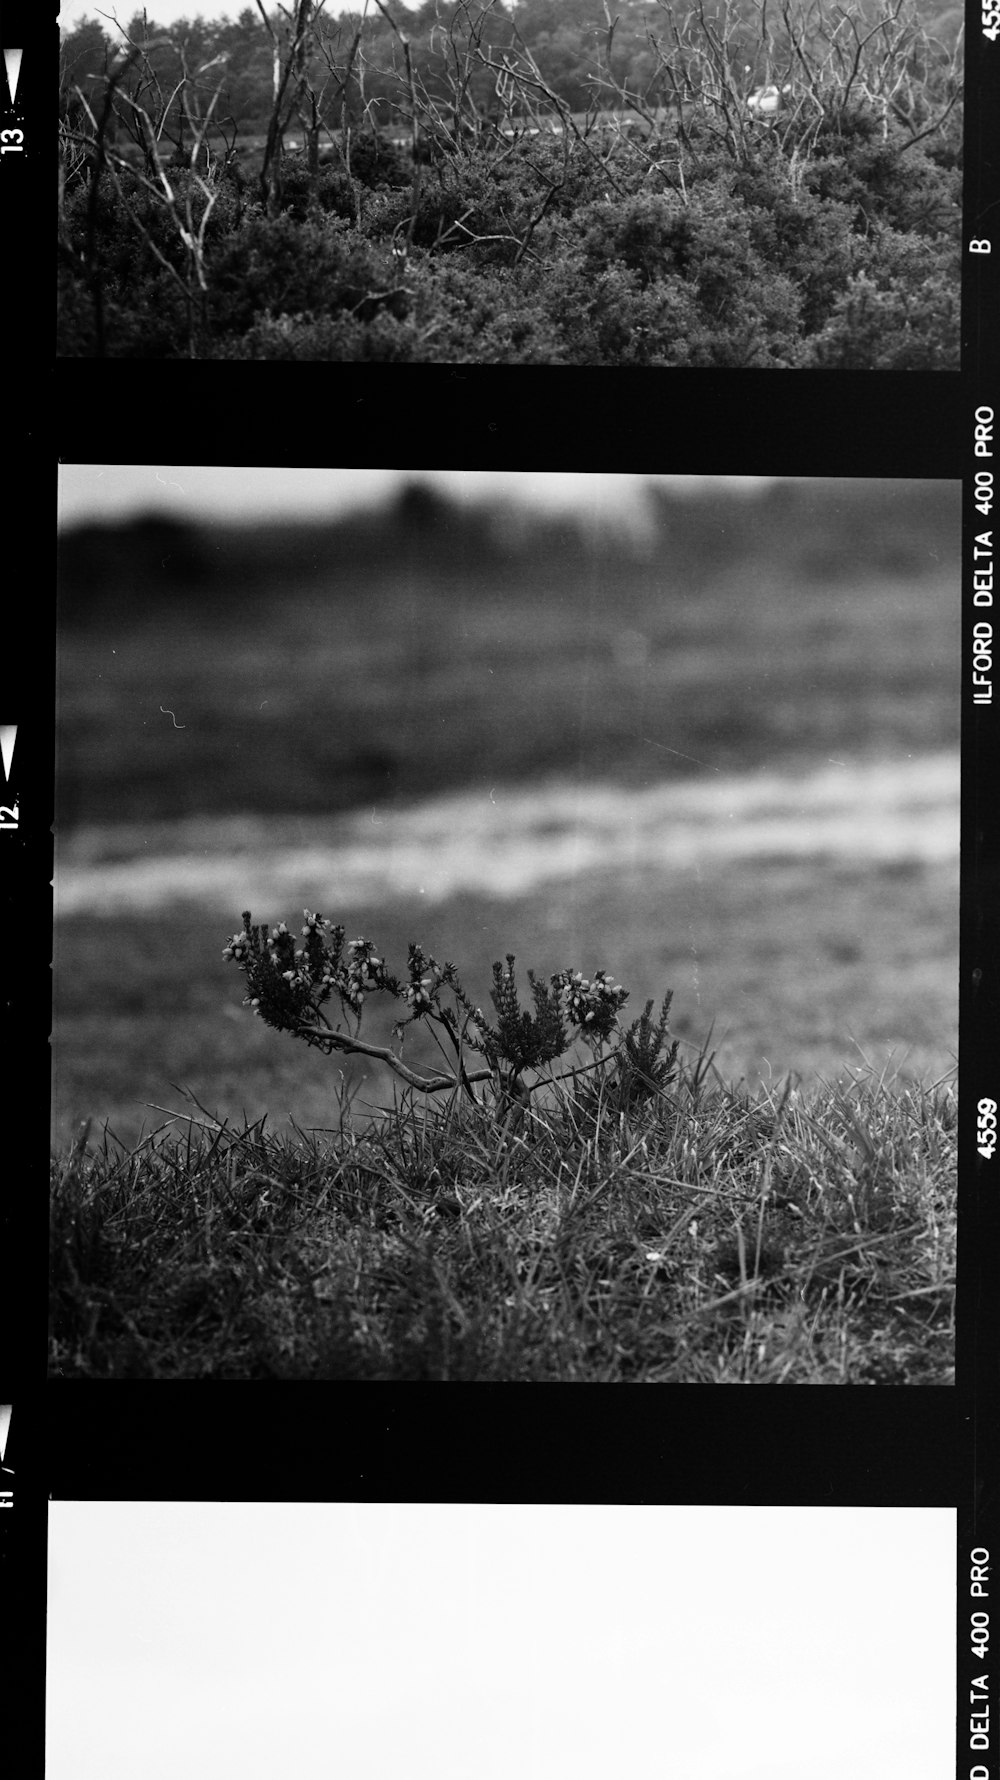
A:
[297,705]
[323,698]
[836,969]
[701,1237]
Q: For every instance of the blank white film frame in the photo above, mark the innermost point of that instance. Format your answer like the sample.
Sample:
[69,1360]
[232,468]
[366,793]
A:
[350,1641]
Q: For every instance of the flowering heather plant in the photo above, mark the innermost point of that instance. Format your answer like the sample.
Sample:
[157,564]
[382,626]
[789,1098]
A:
[290,985]
[651,1064]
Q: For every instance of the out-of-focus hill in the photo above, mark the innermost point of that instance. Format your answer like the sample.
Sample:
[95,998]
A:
[396,654]
[824,529]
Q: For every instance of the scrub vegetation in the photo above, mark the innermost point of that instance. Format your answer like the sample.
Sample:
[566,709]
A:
[763,183]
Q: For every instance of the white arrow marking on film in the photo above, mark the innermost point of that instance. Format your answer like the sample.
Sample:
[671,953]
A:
[12,63]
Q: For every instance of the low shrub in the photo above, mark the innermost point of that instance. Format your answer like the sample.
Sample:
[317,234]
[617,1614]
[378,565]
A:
[840,250]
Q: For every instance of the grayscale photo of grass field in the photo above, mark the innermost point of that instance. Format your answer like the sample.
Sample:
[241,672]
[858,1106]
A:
[506,927]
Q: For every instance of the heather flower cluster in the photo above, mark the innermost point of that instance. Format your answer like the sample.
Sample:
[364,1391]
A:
[427,978]
[290,984]
[593,1006]
[568,1006]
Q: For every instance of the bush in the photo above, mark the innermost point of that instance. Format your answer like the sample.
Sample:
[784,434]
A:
[842,251]
[893,317]
[341,338]
[277,267]
[289,987]
[328,192]
[377,162]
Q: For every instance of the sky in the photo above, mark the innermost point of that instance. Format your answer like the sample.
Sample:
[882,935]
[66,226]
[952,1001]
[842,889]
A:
[384,1641]
[115,491]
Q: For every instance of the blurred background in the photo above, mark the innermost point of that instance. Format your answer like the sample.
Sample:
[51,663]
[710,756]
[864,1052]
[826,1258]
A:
[700,732]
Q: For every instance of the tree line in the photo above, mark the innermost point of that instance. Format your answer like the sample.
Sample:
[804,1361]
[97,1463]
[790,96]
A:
[586,53]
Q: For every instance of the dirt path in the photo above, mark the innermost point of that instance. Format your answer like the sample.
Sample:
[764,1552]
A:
[505,840]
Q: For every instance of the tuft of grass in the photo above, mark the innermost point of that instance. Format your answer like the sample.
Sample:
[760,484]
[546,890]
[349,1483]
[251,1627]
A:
[686,1231]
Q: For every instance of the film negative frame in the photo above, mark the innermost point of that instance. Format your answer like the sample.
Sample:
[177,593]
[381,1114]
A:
[212,1440]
